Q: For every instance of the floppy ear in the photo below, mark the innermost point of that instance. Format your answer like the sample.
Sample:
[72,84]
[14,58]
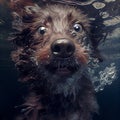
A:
[20,5]
[24,11]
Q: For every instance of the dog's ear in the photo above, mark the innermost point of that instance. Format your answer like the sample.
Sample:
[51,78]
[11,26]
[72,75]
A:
[21,6]
[23,11]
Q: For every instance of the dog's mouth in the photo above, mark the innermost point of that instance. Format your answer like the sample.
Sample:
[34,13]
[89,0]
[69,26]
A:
[63,71]
[63,67]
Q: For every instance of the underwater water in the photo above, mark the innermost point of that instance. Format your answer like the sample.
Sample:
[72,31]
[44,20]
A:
[105,75]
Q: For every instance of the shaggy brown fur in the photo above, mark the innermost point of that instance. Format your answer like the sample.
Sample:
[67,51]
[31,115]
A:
[58,87]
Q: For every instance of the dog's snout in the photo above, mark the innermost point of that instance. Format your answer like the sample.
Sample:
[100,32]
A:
[63,48]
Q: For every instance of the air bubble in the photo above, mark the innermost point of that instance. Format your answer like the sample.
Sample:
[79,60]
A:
[101,76]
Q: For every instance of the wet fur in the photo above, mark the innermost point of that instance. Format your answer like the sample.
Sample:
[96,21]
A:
[52,97]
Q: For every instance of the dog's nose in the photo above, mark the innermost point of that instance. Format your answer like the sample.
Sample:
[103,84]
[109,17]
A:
[62,48]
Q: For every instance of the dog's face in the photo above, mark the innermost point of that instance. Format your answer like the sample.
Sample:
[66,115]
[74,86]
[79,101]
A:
[61,35]
[58,38]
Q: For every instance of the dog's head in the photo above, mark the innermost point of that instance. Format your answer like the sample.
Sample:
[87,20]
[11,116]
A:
[53,42]
[61,34]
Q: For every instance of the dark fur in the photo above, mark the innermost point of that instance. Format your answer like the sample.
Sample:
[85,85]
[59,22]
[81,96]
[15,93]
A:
[51,96]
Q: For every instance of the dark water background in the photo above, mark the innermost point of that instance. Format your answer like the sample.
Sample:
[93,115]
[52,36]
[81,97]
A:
[11,90]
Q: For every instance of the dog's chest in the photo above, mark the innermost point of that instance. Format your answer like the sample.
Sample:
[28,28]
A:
[55,108]
[59,104]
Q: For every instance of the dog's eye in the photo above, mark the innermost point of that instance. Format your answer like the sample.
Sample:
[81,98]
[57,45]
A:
[42,30]
[77,27]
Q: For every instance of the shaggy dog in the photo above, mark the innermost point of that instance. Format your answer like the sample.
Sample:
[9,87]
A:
[53,51]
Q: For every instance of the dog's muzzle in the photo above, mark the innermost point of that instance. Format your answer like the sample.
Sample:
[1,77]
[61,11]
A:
[62,48]
[62,61]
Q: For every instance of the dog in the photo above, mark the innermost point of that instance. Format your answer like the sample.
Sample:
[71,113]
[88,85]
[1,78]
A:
[53,50]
